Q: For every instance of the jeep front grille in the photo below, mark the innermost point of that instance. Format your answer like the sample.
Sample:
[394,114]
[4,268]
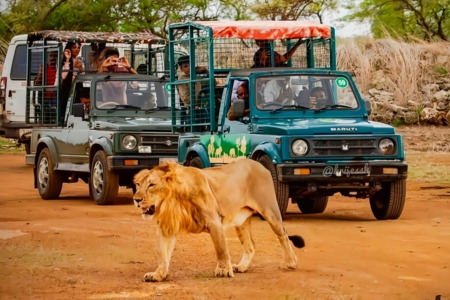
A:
[161,144]
[358,147]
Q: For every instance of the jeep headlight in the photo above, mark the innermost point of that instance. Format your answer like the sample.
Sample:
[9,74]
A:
[386,146]
[129,142]
[299,147]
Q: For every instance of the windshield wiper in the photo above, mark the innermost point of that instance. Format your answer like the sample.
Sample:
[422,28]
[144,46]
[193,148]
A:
[147,111]
[123,106]
[326,107]
[300,107]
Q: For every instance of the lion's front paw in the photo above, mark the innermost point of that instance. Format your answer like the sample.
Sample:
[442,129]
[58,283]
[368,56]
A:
[224,272]
[239,268]
[156,276]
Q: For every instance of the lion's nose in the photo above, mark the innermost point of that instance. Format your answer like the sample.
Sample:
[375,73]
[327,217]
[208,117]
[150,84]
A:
[137,200]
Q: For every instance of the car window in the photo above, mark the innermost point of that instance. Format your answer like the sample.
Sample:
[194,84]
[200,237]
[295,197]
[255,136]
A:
[19,64]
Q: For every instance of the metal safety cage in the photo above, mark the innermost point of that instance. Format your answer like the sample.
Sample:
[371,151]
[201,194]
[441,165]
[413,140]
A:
[45,104]
[194,109]
[42,96]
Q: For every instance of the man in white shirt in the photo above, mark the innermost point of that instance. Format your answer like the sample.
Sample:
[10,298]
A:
[279,90]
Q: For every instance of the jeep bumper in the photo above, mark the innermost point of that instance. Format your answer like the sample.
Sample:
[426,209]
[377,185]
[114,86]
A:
[361,171]
[135,163]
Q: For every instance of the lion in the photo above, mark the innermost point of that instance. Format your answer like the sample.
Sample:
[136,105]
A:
[190,200]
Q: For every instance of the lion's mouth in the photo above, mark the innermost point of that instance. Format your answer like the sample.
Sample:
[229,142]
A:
[148,210]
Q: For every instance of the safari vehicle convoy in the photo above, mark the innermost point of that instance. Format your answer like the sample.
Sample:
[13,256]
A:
[146,58]
[112,123]
[295,113]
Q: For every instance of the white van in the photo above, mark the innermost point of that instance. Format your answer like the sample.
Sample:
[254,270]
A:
[13,81]
[13,90]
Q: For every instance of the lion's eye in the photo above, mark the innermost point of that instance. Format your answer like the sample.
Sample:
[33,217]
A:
[151,185]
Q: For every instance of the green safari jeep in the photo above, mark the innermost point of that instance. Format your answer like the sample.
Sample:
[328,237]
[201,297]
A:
[316,140]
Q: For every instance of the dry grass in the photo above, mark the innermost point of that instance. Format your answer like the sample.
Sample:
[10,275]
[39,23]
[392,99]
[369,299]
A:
[403,68]
[429,166]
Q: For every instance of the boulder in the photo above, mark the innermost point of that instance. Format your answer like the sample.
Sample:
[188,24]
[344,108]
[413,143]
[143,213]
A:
[432,116]
[440,96]
[430,88]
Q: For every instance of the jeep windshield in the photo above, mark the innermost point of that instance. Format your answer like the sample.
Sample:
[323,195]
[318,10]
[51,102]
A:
[114,95]
[305,92]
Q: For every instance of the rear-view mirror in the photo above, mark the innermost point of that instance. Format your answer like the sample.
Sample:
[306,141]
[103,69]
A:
[78,110]
[238,108]
[368,106]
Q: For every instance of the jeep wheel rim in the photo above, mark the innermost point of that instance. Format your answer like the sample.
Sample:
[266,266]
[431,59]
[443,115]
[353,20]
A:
[43,173]
[97,177]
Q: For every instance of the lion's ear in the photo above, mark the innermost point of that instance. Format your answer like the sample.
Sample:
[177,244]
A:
[141,175]
[168,166]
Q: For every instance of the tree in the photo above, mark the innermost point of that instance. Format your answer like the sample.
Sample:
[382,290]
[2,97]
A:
[291,9]
[429,20]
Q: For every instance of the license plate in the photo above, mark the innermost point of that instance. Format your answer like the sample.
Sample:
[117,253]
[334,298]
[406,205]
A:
[165,159]
[145,149]
[346,171]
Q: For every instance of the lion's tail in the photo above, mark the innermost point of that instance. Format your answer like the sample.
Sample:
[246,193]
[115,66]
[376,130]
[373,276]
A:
[297,240]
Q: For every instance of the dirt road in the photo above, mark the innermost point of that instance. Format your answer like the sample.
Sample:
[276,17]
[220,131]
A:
[74,249]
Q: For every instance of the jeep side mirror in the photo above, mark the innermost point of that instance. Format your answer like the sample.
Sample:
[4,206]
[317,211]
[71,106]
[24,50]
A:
[368,106]
[238,108]
[78,110]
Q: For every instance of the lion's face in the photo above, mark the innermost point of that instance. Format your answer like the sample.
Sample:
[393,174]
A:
[148,189]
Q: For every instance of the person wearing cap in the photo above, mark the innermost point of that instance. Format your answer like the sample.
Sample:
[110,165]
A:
[183,89]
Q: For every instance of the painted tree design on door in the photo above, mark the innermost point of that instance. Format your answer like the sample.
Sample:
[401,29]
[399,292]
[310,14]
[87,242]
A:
[226,150]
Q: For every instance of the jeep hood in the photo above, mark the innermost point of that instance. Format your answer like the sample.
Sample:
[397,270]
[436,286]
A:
[134,124]
[322,126]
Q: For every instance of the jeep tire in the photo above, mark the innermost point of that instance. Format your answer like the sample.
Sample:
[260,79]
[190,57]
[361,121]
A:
[312,205]
[281,189]
[196,162]
[388,203]
[104,184]
[49,182]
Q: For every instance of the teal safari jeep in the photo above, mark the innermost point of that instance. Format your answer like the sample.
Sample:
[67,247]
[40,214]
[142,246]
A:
[316,139]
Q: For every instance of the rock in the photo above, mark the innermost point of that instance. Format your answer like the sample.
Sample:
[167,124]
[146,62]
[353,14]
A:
[446,87]
[374,92]
[441,105]
[413,103]
[447,117]
[439,96]
[431,116]
[430,88]
[397,108]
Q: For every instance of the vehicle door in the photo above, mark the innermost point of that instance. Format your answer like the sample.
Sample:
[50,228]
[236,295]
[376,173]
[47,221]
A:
[233,138]
[75,149]
[15,93]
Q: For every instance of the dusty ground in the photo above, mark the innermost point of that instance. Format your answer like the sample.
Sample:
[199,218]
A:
[74,249]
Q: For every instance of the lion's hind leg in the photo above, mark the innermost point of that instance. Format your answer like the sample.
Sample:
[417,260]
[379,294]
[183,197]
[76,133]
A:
[273,217]
[244,233]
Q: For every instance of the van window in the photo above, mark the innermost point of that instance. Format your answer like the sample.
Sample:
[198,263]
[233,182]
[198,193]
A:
[19,64]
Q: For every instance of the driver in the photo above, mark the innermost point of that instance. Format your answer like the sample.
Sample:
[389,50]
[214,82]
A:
[279,90]
[242,93]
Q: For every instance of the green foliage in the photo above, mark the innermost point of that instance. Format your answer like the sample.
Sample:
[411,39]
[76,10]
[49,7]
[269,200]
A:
[398,122]
[24,16]
[440,70]
[428,20]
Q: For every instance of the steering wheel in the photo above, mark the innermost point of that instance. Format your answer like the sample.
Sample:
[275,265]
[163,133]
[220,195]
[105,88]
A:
[108,103]
[272,104]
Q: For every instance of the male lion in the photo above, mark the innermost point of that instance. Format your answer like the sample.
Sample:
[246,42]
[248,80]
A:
[187,199]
